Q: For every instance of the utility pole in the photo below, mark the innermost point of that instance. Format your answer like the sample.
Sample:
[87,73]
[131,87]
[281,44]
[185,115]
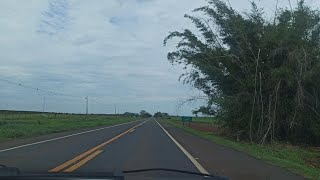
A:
[44,103]
[115,109]
[87,99]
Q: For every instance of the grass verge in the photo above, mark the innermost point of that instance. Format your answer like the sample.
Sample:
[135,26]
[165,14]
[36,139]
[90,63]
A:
[209,120]
[295,159]
[39,124]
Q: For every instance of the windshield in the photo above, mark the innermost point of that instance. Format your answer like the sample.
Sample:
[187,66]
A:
[161,88]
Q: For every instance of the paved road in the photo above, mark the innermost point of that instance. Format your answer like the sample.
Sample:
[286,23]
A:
[228,162]
[136,145]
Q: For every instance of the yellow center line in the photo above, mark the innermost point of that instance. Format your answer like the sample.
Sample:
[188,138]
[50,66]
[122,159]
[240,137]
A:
[81,156]
[83,161]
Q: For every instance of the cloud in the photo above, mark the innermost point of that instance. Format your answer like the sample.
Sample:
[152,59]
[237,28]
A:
[110,50]
[56,18]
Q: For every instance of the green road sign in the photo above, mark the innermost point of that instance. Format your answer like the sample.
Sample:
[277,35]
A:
[186,118]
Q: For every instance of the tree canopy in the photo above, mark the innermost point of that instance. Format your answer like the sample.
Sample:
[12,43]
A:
[262,75]
[160,114]
[130,114]
[145,114]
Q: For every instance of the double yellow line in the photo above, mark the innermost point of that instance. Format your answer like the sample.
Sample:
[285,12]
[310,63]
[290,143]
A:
[83,158]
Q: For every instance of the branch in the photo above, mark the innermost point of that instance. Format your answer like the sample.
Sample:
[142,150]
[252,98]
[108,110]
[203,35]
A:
[254,98]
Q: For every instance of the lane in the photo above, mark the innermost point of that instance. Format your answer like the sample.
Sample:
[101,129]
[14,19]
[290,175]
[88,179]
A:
[145,147]
[81,159]
[19,145]
[45,156]
[190,157]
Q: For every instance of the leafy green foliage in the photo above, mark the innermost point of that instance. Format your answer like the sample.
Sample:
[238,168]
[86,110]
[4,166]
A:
[160,114]
[262,75]
[130,114]
[145,114]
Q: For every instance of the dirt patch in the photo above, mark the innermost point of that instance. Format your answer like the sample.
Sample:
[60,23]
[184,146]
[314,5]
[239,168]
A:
[314,161]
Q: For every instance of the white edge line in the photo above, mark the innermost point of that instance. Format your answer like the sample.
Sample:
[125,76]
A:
[192,159]
[62,137]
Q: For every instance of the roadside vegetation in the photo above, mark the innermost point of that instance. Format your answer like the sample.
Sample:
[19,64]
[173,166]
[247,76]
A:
[27,124]
[208,120]
[161,115]
[260,75]
[304,161]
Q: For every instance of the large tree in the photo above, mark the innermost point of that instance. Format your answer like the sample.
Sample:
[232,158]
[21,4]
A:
[262,75]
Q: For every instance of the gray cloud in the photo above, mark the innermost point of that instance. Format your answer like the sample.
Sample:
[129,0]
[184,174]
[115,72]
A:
[56,18]
[109,50]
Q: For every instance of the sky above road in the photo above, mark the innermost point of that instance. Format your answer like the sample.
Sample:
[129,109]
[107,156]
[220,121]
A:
[109,50]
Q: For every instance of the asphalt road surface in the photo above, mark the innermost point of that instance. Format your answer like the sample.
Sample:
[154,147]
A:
[136,145]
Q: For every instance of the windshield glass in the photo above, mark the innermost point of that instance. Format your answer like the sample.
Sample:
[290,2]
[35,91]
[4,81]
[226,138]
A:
[161,88]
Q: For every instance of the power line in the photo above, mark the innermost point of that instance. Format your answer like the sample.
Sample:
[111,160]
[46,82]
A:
[50,93]
[45,93]
[53,93]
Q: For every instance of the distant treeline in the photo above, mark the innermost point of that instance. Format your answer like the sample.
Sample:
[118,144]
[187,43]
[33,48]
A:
[39,112]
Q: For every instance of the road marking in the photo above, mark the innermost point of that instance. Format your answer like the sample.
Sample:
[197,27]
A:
[83,161]
[62,137]
[92,150]
[192,159]
[132,130]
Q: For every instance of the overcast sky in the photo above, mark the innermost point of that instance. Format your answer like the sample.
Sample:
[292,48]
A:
[109,50]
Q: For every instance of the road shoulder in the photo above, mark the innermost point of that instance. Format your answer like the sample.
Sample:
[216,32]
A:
[225,161]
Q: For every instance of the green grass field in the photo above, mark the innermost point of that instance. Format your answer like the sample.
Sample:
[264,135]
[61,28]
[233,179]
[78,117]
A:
[20,124]
[299,160]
